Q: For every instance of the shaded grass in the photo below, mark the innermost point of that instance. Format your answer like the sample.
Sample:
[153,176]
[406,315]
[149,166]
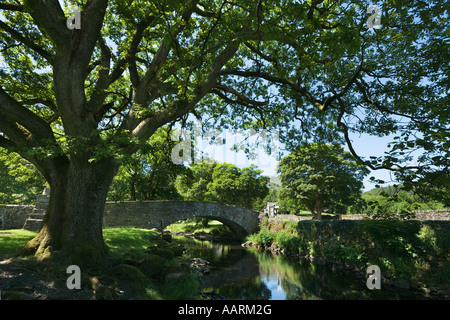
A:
[129,241]
[11,241]
[119,240]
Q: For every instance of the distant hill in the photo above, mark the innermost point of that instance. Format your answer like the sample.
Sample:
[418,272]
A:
[274,183]
[390,190]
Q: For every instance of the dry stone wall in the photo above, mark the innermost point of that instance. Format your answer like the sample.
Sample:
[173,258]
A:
[423,215]
[145,214]
[14,216]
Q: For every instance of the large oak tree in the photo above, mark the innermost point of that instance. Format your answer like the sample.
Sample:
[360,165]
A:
[74,102]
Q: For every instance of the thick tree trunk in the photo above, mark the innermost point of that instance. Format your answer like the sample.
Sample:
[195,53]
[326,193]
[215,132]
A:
[72,230]
[150,186]
[132,190]
[318,210]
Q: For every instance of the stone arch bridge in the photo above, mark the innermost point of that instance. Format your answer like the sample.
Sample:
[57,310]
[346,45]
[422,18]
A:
[160,214]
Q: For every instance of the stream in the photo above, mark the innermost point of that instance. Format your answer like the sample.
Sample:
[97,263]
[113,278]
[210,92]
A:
[240,273]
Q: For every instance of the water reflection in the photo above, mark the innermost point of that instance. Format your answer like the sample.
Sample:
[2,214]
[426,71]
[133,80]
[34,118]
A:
[247,274]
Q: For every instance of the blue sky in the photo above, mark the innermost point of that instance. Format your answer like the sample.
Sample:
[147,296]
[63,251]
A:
[364,145]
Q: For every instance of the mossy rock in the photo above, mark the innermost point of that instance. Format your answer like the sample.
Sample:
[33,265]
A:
[153,266]
[177,250]
[180,286]
[130,280]
[102,292]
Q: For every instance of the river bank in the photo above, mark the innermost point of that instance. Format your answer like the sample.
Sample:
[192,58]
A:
[412,256]
[141,266]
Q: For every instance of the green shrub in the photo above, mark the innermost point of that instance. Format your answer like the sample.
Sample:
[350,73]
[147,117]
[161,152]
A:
[266,238]
[408,249]
[290,226]
[287,241]
[343,252]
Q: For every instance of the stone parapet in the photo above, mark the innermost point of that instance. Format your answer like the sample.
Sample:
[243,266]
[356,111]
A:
[14,216]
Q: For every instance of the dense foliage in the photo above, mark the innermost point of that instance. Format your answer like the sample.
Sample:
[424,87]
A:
[150,173]
[20,182]
[223,183]
[394,202]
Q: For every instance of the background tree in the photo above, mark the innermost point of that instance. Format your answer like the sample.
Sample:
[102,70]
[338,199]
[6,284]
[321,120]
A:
[241,187]
[149,174]
[393,202]
[224,183]
[193,185]
[320,177]
[75,102]
[20,182]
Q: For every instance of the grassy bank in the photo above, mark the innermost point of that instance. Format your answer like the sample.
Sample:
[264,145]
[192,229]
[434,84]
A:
[210,227]
[140,266]
[411,252]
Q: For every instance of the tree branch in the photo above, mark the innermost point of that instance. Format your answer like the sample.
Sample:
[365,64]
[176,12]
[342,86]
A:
[27,42]
[203,13]
[49,18]
[366,97]
[262,55]
[149,125]
[13,110]
[105,79]
[11,6]
[6,143]
[350,82]
[45,102]
[348,141]
[241,98]
[83,41]
[18,141]
[316,103]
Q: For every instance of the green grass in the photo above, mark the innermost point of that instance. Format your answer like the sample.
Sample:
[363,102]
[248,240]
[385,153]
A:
[304,213]
[13,240]
[213,227]
[119,240]
[125,240]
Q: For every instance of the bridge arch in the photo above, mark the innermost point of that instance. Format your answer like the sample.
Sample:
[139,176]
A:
[160,214]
